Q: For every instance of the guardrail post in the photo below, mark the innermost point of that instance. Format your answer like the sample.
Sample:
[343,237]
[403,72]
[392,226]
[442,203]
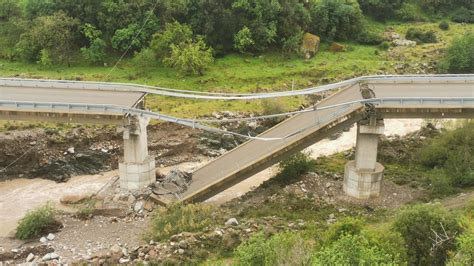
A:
[137,170]
[363,177]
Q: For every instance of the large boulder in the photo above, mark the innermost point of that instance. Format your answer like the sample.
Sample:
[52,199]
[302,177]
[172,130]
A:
[310,45]
[336,47]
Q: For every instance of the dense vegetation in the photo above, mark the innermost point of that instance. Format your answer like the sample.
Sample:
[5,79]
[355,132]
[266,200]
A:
[37,222]
[186,34]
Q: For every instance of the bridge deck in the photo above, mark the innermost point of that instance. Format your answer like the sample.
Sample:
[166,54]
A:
[256,155]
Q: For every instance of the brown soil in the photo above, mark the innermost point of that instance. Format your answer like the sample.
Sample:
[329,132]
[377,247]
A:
[44,152]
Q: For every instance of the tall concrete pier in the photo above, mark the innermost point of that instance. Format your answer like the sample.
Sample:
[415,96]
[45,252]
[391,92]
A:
[137,169]
[363,177]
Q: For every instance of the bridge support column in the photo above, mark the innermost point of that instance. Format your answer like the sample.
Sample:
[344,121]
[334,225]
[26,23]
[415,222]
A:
[137,169]
[363,177]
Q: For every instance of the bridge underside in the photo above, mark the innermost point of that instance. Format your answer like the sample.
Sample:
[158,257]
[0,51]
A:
[55,117]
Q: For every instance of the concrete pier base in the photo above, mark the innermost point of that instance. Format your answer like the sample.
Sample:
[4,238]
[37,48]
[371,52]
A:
[363,177]
[137,170]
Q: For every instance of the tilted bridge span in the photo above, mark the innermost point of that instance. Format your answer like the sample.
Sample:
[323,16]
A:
[425,96]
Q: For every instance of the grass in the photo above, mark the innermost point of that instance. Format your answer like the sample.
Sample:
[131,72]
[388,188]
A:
[37,223]
[180,218]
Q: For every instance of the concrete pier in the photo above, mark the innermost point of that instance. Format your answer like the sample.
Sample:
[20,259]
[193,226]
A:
[363,177]
[137,169]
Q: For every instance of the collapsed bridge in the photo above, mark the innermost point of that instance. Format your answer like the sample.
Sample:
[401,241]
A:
[426,96]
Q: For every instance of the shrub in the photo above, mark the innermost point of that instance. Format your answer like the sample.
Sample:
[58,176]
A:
[370,38]
[281,249]
[356,250]
[380,9]
[37,222]
[453,152]
[444,25]
[190,57]
[174,34]
[180,218]
[417,225]
[243,40]
[459,57]
[347,226]
[336,19]
[465,252]
[384,46]
[409,12]
[463,15]
[421,36]
[294,167]
[145,58]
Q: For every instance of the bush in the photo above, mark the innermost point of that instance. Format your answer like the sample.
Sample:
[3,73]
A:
[347,226]
[420,36]
[465,252]
[463,15]
[459,57]
[37,222]
[417,225]
[145,58]
[174,34]
[243,40]
[356,249]
[444,25]
[336,19]
[452,152]
[380,9]
[385,46]
[294,167]
[409,12]
[190,57]
[281,249]
[370,38]
[180,218]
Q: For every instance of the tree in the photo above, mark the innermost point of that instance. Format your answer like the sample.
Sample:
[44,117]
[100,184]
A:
[9,9]
[337,19]
[459,57]
[174,33]
[95,53]
[190,57]
[243,40]
[38,8]
[380,9]
[420,225]
[55,33]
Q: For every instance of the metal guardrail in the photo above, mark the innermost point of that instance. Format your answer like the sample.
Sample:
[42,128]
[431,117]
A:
[104,86]
[95,109]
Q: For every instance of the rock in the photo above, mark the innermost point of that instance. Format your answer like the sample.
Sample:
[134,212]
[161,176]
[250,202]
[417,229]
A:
[43,240]
[138,206]
[123,261]
[407,43]
[73,199]
[336,47]
[232,222]
[71,150]
[116,249]
[50,256]
[310,45]
[149,206]
[30,257]
[178,178]
[181,251]
[328,185]
[51,237]
[183,244]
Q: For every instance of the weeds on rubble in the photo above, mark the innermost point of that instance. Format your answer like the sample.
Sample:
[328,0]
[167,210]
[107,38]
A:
[294,167]
[180,218]
[37,222]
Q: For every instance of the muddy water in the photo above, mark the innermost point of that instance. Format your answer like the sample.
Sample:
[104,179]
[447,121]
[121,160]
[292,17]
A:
[20,195]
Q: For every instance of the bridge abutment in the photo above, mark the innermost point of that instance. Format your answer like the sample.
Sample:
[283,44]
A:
[363,177]
[137,169]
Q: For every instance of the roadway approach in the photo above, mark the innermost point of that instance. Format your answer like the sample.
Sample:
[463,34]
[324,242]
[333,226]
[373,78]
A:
[417,96]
